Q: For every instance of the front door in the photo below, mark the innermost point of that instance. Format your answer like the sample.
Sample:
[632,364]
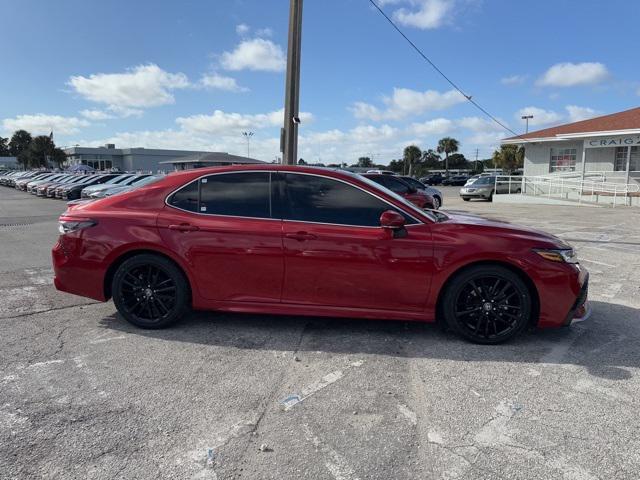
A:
[336,253]
[222,226]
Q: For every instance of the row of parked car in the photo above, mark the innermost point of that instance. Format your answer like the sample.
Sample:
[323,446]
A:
[407,187]
[73,186]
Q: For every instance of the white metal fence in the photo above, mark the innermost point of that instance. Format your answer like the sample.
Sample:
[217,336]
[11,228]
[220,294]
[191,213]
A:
[594,188]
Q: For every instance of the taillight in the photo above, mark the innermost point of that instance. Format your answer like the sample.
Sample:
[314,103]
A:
[74,224]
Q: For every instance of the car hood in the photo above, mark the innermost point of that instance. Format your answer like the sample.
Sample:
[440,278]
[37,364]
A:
[502,228]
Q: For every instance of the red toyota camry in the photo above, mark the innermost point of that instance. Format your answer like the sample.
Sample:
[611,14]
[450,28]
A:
[309,241]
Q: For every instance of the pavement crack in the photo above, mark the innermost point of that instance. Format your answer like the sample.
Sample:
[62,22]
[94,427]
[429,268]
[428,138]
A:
[52,309]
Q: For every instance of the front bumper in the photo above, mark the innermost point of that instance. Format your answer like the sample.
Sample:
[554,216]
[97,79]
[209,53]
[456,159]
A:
[581,310]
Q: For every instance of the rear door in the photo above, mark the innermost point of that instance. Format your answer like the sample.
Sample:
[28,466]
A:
[222,225]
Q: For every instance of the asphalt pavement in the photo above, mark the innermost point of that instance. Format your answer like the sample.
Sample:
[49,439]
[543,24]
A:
[84,395]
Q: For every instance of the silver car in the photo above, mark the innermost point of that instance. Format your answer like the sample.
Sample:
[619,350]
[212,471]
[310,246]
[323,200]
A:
[486,187]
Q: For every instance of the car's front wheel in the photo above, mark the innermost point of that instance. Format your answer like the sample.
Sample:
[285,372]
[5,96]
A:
[487,304]
[436,202]
[150,291]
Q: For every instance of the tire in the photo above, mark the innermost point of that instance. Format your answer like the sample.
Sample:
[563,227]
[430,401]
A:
[490,198]
[436,202]
[150,291]
[487,304]
[518,190]
[466,199]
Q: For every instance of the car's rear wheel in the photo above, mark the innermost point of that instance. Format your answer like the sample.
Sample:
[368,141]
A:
[150,291]
[487,304]
[466,199]
[436,202]
[490,197]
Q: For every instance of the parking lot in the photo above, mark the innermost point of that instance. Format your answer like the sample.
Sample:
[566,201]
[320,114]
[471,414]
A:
[85,395]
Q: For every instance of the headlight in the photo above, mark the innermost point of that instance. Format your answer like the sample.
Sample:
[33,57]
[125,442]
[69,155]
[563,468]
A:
[565,255]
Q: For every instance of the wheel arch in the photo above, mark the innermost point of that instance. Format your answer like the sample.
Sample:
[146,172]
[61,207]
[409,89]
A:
[535,297]
[120,259]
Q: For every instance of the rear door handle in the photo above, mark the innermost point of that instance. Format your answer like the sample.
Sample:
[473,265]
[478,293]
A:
[300,236]
[184,227]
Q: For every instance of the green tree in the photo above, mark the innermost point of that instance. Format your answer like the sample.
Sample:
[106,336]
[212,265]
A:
[364,162]
[4,147]
[458,160]
[431,159]
[58,157]
[509,157]
[448,145]
[411,156]
[40,151]
[396,166]
[302,162]
[19,146]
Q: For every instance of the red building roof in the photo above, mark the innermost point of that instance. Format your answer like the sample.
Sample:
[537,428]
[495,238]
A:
[627,120]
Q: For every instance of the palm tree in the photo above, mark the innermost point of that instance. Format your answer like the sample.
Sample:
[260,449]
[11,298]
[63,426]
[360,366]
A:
[412,154]
[447,145]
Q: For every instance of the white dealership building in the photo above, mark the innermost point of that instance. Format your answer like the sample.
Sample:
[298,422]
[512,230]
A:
[606,146]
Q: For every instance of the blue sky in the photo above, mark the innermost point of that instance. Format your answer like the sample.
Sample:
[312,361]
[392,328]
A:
[195,74]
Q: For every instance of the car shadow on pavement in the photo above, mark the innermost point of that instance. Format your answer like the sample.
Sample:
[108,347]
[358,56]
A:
[606,345]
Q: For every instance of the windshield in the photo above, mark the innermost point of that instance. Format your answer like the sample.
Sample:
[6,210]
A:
[410,206]
[484,181]
[117,180]
[146,181]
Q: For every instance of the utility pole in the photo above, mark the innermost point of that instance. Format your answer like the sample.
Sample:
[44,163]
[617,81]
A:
[289,134]
[526,118]
[476,159]
[248,136]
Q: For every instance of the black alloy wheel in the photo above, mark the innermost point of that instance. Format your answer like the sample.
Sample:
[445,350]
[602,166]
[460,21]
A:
[150,291]
[487,304]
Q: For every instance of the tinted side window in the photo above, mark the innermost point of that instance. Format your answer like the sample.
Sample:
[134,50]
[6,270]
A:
[236,194]
[323,200]
[186,198]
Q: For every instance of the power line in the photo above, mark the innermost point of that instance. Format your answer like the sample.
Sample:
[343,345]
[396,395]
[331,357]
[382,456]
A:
[435,67]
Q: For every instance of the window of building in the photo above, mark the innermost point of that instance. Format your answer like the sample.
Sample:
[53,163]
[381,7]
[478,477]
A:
[323,200]
[620,164]
[563,160]
[236,194]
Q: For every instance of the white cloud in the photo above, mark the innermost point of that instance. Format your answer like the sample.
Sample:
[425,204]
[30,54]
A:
[96,114]
[540,116]
[264,32]
[513,80]
[437,126]
[580,113]
[572,74]
[424,14]
[140,87]
[224,122]
[42,124]
[242,29]
[220,82]
[405,102]
[256,54]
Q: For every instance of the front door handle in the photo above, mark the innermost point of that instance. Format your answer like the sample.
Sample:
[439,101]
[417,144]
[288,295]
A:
[184,227]
[300,236]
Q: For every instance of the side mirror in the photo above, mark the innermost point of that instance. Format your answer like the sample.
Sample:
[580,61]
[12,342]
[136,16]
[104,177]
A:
[392,220]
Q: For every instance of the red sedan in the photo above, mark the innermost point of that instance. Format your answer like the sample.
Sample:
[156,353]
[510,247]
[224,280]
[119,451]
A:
[397,185]
[308,241]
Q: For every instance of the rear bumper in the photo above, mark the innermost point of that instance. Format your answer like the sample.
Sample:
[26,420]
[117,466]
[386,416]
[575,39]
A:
[72,274]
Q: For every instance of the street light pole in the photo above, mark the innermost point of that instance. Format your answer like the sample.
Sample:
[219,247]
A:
[289,134]
[248,136]
[526,118]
